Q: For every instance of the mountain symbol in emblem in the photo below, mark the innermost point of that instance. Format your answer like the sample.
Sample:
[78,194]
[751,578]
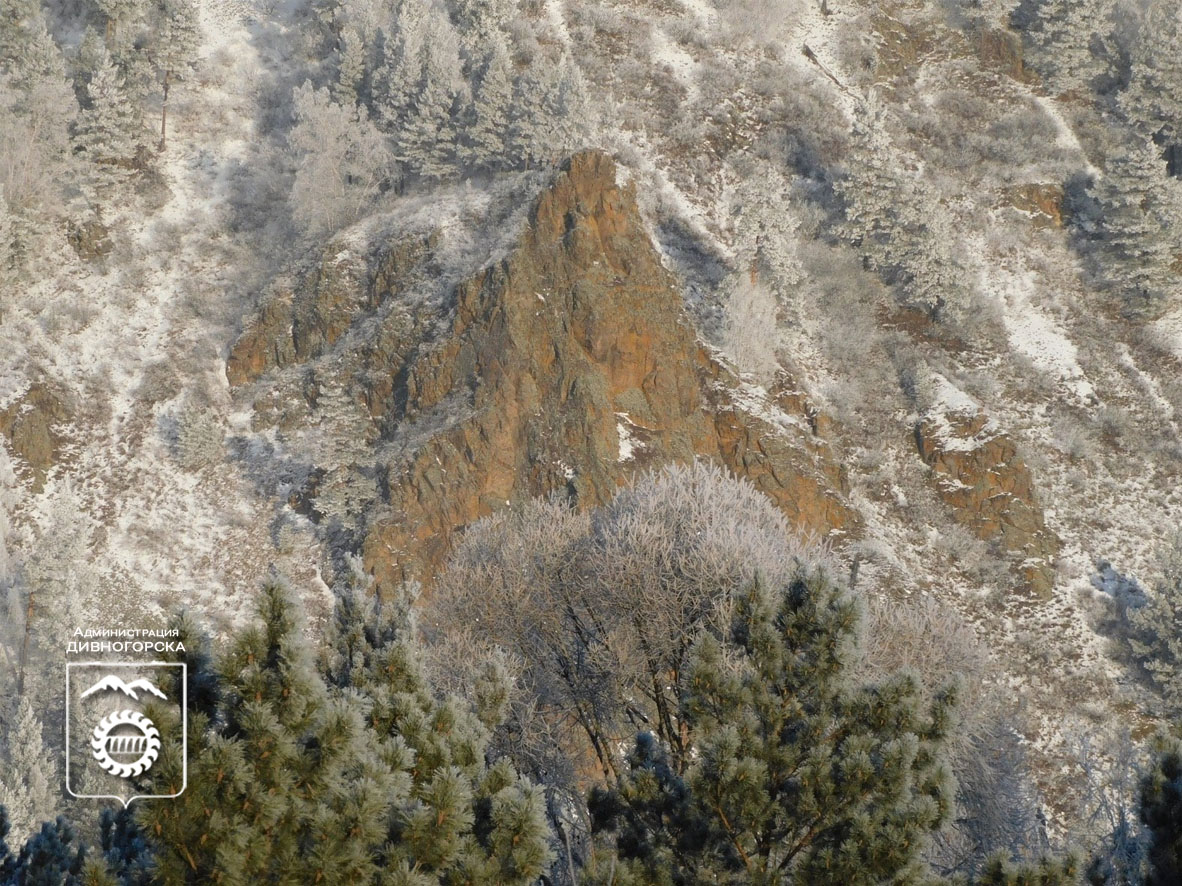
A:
[112,682]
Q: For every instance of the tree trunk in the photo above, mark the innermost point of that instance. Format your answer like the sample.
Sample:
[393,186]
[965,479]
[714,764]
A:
[164,114]
[24,657]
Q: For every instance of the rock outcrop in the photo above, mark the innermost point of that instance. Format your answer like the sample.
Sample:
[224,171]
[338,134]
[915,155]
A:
[32,424]
[1042,203]
[566,367]
[980,476]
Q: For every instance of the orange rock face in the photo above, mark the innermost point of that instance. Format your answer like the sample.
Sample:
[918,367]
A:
[1043,203]
[565,368]
[980,475]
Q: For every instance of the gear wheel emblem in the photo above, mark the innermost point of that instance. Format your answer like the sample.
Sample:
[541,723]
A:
[143,744]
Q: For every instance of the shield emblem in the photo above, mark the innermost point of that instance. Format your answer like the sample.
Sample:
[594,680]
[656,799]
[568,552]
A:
[126,730]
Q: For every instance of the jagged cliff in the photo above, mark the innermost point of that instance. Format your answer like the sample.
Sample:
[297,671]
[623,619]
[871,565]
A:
[564,368]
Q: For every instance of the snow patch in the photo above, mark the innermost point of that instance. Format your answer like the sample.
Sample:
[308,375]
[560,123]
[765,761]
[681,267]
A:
[629,443]
[1031,330]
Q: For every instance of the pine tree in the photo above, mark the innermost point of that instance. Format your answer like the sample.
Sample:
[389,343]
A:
[351,69]
[267,789]
[28,52]
[1140,209]
[125,848]
[25,779]
[487,133]
[1003,872]
[902,230]
[52,596]
[53,856]
[36,107]
[200,439]
[367,778]
[797,776]
[529,143]
[120,17]
[177,39]
[569,108]
[106,134]
[1161,813]
[1065,35]
[400,67]
[1153,97]
[426,141]
[461,816]
[479,21]
[340,445]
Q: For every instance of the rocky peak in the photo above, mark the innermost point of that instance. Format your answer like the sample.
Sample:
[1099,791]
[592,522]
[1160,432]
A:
[564,368]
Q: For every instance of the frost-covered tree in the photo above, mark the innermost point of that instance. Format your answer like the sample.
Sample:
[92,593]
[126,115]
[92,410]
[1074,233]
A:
[425,142]
[36,107]
[568,107]
[12,597]
[1068,38]
[200,438]
[551,113]
[27,50]
[176,41]
[996,800]
[479,21]
[766,229]
[750,331]
[797,776]
[602,610]
[106,135]
[8,500]
[119,17]
[7,272]
[53,595]
[351,67]
[1153,97]
[1156,636]
[399,68]
[486,135]
[528,135]
[903,231]
[27,774]
[1141,208]
[342,161]
[340,448]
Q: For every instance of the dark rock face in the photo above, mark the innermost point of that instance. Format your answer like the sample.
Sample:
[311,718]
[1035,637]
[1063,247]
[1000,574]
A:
[90,239]
[981,477]
[566,367]
[32,425]
[1001,50]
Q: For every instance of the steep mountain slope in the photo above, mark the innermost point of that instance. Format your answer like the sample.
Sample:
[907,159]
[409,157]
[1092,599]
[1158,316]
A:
[471,344]
[565,367]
